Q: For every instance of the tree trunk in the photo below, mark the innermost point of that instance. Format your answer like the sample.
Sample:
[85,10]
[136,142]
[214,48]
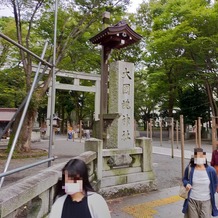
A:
[24,140]
[211,99]
[171,92]
[145,125]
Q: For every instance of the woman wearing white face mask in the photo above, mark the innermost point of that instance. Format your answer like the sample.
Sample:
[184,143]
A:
[201,181]
[80,200]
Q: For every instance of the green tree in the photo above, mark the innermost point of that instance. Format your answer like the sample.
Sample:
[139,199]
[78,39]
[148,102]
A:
[181,40]
[193,103]
[12,89]
[145,98]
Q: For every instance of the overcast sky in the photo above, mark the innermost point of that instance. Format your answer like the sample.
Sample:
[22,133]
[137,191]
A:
[132,8]
[134,5]
[5,12]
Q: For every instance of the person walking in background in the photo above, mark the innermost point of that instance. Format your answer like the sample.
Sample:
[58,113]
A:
[214,159]
[201,182]
[69,132]
[80,200]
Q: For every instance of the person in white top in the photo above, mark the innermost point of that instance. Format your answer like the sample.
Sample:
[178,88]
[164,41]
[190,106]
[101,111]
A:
[79,200]
[201,182]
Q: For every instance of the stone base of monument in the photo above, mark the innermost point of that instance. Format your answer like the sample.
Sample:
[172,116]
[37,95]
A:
[123,172]
[128,189]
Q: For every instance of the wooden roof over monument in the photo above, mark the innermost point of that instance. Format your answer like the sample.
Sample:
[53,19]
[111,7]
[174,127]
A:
[118,36]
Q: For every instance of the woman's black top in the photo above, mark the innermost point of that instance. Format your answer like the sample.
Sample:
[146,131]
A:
[74,209]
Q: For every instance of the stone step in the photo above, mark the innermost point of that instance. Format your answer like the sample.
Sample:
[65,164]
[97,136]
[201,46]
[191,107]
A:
[127,189]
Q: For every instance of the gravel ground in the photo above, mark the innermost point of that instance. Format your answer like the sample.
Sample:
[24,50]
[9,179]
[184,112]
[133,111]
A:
[167,170]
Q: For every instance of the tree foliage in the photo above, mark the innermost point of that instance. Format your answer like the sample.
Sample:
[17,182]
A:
[180,47]
[12,89]
[193,103]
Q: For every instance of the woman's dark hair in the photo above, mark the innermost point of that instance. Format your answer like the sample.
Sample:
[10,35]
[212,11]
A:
[75,168]
[191,162]
[196,150]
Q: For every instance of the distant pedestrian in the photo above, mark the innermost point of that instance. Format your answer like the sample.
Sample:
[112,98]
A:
[87,134]
[58,131]
[69,132]
[201,181]
[80,200]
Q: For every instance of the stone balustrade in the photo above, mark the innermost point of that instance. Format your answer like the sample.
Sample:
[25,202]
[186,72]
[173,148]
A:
[33,196]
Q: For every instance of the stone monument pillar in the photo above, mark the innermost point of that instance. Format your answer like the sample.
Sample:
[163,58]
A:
[121,101]
[124,165]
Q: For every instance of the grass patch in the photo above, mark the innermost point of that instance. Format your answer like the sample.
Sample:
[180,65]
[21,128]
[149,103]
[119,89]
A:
[21,155]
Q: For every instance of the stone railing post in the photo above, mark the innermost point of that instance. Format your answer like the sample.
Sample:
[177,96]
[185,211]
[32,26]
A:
[96,145]
[145,144]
